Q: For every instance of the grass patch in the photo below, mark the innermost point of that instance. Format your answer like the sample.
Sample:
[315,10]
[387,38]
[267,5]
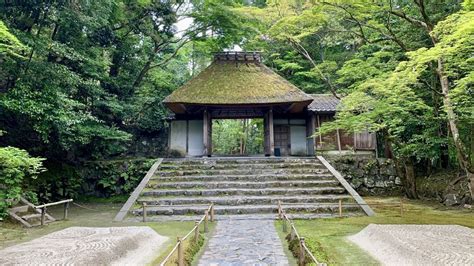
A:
[327,238]
[99,200]
[191,248]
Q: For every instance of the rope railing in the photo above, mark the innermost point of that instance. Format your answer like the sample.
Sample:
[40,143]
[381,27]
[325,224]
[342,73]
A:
[303,249]
[179,247]
[342,204]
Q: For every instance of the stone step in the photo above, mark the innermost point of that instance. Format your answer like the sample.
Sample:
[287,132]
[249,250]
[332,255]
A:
[242,191]
[242,184]
[247,160]
[31,216]
[254,177]
[244,200]
[184,167]
[254,216]
[19,209]
[243,171]
[244,209]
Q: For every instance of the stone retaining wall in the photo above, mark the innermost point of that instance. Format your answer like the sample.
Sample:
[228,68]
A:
[368,175]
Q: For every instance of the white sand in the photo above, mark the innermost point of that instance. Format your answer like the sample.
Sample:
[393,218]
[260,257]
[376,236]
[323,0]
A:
[418,244]
[135,245]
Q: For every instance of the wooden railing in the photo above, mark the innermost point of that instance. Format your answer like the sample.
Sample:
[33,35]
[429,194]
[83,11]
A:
[179,247]
[342,204]
[44,206]
[303,249]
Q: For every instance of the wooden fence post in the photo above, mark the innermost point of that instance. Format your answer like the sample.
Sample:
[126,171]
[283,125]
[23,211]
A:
[401,207]
[43,215]
[279,210]
[340,208]
[196,232]
[180,252]
[212,212]
[206,214]
[144,211]
[302,254]
[66,207]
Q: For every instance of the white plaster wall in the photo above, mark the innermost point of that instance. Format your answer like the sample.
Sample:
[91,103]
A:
[280,121]
[196,142]
[297,122]
[298,140]
[178,136]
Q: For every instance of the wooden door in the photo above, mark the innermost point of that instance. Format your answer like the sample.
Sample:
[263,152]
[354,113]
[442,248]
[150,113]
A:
[282,139]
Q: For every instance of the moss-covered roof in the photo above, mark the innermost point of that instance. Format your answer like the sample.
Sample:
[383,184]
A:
[227,82]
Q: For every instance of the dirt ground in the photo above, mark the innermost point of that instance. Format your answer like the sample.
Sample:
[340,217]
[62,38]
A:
[418,244]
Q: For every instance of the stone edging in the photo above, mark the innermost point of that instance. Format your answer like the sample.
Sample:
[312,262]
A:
[347,186]
[134,196]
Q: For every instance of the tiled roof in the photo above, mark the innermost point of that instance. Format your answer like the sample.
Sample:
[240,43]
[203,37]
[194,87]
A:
[323,103]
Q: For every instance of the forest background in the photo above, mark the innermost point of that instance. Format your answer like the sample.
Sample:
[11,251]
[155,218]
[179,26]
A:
[82,82]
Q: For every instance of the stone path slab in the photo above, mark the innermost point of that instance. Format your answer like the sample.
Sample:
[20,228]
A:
[418,244]
[244,242]
[134,245]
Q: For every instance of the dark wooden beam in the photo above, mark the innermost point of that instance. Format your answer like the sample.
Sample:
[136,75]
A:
[271,134]
[207,133]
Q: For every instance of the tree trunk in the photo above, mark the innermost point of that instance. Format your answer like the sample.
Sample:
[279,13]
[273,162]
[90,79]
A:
[463,159]
[410,180]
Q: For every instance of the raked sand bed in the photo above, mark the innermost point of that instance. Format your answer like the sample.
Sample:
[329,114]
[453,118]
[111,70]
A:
[135,245]
[418,244]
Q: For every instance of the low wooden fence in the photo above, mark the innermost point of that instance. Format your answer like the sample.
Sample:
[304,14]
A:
[45,206]
[179,247]
[303,249]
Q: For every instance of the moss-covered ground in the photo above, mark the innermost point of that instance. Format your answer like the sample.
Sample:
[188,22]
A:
[327,238]
[94,215]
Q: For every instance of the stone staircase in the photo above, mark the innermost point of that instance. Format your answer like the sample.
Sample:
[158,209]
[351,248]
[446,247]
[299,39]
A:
[26,213]
[183,188]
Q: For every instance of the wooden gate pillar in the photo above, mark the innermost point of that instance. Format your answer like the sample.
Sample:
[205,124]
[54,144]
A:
[269,134]
[310,130]
[207,133]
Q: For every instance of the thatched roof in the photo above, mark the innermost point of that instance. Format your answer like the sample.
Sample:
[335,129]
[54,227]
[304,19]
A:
[237,80]
[323,103]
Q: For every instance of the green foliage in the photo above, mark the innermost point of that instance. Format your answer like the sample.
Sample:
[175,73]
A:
[237,137]
[9,44]
[116,177]
[16,166]
[80,81]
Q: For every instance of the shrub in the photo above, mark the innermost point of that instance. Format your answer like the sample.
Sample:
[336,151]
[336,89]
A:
[15,165]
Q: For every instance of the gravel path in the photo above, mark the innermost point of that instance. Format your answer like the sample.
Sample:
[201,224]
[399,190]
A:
[135,245]
[418,244]
[244,242]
